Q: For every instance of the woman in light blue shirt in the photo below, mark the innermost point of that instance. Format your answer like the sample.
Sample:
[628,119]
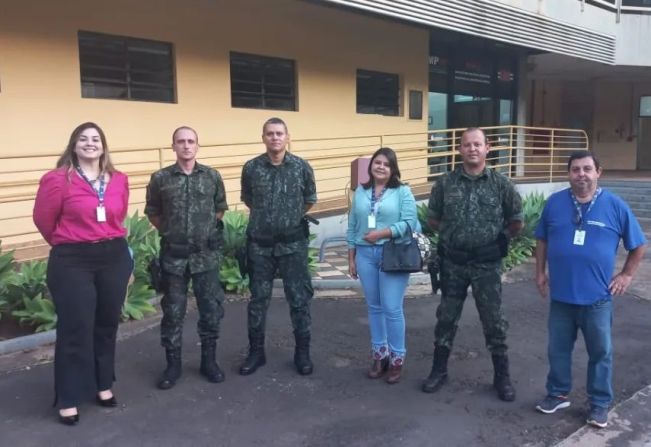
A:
[383,208]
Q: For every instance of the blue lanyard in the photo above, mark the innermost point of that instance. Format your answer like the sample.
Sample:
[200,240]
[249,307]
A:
[375,200]
[100,191]
[579,214]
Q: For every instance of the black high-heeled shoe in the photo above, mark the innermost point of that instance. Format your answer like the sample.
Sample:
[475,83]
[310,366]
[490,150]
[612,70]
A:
[69,420]
[111,402]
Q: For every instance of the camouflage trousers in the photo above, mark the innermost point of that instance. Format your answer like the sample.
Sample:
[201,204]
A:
[485,281]
[297,283]
[209,295]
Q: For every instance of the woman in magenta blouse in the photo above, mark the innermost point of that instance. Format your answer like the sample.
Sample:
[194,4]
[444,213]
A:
[80,209]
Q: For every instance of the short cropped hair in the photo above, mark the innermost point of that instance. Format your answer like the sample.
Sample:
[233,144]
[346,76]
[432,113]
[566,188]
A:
[577,155]
[274,120]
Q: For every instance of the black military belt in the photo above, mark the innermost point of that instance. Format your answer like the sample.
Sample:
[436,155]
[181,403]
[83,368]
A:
[486,253]
[279,238]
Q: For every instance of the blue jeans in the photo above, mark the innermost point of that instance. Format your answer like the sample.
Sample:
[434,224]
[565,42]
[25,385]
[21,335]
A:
[384,294]
[595,322]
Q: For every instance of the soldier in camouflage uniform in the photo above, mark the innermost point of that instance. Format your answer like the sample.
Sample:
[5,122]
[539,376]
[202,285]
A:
[186,202]
[279,188]
[476,210]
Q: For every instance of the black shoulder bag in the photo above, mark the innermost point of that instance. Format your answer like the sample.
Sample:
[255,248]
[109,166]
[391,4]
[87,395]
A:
[402,258]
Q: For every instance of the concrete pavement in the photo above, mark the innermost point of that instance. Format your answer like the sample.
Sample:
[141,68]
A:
[337,405]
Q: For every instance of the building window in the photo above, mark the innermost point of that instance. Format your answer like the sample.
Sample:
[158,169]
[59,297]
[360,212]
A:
[260,82]
[117,67]
[378,93]
[645,106]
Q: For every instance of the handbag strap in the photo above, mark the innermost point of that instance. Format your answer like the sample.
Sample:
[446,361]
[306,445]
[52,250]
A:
[410,231]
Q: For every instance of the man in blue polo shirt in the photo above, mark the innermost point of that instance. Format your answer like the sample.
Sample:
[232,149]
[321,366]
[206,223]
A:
[578,235]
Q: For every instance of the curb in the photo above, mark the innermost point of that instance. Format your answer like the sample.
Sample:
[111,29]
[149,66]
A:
[330,284]
[32,341]
[629,425]
[27,342]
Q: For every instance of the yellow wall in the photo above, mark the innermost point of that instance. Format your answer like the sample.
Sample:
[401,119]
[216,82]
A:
[40,97]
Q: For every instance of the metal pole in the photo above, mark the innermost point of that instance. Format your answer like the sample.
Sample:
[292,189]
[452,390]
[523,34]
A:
[510,151]
[454,148]
[551,157]
[619,10]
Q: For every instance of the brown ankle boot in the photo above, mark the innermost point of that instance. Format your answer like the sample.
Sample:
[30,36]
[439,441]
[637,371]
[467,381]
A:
[378,368]
[393,375]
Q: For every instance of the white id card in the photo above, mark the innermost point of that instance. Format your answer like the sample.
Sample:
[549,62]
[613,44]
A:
[579,237]
[101,214]
[371,221]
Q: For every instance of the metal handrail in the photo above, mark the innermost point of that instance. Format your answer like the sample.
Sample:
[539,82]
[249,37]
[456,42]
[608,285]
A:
[522,152]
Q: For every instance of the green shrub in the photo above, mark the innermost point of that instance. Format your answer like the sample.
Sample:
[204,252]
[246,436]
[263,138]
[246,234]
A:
[36,311]
[231,277]
[235,223]
[137,305]
[27,293]
[143,239]
[7,277]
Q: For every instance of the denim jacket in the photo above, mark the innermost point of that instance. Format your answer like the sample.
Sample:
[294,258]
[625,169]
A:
[396,210]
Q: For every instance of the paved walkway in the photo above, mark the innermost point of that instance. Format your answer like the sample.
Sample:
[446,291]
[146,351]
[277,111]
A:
[337,405]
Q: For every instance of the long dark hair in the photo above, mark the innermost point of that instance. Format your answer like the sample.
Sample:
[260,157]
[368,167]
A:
[69,158]
[394,180]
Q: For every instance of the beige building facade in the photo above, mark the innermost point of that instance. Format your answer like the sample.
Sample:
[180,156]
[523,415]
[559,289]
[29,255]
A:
[348,76]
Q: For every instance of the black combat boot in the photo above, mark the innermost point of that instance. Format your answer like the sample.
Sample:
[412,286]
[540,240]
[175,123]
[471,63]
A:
[439,374]
[209,367]
[302,360]
[173,370]
[502,379]
[256,357]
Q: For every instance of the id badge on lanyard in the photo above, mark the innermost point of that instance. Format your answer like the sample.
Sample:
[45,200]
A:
[580,233]
[375,205]
[100,211]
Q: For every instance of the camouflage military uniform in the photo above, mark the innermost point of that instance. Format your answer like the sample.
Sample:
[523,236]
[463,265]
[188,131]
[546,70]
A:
[276,196]
[472,211]
[190,243]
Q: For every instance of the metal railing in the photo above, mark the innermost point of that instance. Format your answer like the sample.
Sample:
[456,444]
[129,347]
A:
[527,154]
[621,6]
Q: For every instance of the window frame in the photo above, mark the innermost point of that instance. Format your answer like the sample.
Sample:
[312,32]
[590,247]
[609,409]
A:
[267,90]
[375,92]
[126,50]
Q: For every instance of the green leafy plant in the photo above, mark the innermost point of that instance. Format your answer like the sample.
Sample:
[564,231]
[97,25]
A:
[30,280]
[136,304]
[7,277]
[428,231]
[523,245]
[231,277]
[235,223]
[143,239]
[36,311]
[27,283]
